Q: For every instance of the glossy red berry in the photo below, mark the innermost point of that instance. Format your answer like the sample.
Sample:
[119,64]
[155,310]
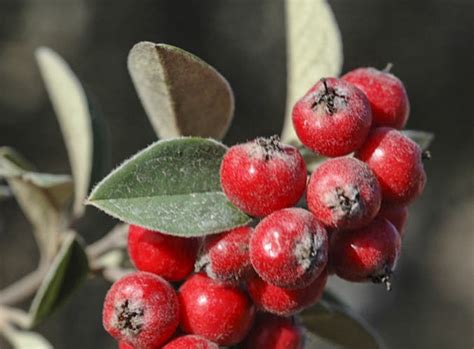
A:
[284,301]
[263,176]
[369,253]
[289,248]
[274,332]
[226,256]
[141,310]
[386,94]
[170,257]
[398,216]
[397,163]
[343,193]
[191,342]
[333,118]
[219,312]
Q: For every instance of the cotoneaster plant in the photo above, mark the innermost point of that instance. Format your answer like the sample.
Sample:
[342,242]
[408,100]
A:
[218,245]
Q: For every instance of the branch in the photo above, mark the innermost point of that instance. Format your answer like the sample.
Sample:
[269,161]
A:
[15,316]
[116,238]
[27,286]
[23,288]
[113,274]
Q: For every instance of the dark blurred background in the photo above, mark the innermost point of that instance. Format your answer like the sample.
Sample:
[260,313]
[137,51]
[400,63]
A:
[430,42]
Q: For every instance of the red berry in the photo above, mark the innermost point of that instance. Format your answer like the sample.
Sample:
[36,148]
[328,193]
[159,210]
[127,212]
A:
[263,176]
[343,193]
[369,253]
[219,312]
[141,309]
[123,345]
[274,332]
[191,342]
[386,93]
[170,257]
[284,301]
[289,248]
[225,256]
[398,216]
[333,118]
[397,163]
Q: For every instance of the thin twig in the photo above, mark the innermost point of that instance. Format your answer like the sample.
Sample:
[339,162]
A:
[15,316]
[27,286]
[113,274]
[116,238]
[23,288]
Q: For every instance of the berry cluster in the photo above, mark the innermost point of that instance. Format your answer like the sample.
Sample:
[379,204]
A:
[244,286]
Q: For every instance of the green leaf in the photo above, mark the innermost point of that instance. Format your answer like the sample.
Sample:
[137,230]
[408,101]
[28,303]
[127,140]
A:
[41,196]
[335,322]
[172,186]
[182,95]
[422,138]
[314,51]
[66,273]
[72,110]
[100,133]
[20,339]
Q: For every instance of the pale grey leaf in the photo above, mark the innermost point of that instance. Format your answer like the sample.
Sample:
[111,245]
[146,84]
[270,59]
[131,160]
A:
[182,95]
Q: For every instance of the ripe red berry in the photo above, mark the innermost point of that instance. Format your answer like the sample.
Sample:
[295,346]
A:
[219,312]
[386,93]
[398,216]
[274,332]
[369,253]
[123,345]
[397,163]
[191,342]
[170,257]
[141,310]
[343,193]
[289,248]
[225,256]
[284,301]
[333,118]
[263,176]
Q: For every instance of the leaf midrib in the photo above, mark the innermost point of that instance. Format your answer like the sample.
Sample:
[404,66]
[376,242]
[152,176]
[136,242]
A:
[152,196]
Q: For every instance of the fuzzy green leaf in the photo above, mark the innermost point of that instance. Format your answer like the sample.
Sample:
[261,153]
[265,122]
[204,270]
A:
[172,186]
[182,95]
[74,116]
[335,322]
[422,138]
[66,273]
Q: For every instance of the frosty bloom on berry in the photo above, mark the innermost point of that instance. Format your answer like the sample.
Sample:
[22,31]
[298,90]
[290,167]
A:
[170,257]
[343,193]
[366,254]
[274,332]
[333,118]
[284,301]
[263,176]
[191,342]
[386,94]
[225,256]
[219,312]
[397,163]
[289,248]
[141,309]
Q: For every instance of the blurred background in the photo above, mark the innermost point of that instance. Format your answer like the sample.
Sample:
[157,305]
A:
[431,45]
